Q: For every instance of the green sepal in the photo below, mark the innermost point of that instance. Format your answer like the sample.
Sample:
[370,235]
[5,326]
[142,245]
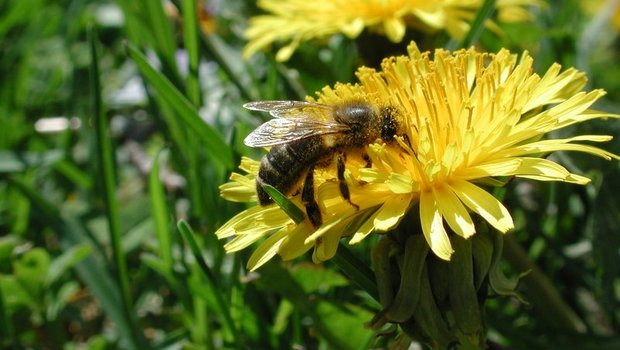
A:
[384,272]
[498,282]
[408,295]
[430,326]
[482,252]
[462,293]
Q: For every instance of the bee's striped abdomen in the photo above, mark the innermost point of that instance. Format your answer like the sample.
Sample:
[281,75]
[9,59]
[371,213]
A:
[284,164]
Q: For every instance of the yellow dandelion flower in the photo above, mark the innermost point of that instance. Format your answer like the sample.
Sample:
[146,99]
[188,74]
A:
[465,119]
[295,21]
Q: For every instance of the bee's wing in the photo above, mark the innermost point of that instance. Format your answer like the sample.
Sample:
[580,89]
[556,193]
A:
[283,130]
[287,109]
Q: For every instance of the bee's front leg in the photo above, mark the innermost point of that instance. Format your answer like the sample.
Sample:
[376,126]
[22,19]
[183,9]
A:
[307,197]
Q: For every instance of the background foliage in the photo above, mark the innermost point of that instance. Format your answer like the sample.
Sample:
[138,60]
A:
[118,121]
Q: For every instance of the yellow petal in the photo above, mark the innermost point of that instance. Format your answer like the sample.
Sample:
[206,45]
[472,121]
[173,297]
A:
[432,227]
[487,206]
[563,145]
[400,183]
[454,212]
[542,168]
[239,189]
[498,167]
[390,213]
[267,249]
[269,217]
[294,245]
[326,247]
[394,29]
[363,231]
[249,165]
[243,241]
[228,229]
[287,51]
[353,28]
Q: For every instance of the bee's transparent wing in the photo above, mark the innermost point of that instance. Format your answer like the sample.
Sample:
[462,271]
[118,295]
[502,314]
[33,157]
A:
[294,120]
[284,130]
[287,109]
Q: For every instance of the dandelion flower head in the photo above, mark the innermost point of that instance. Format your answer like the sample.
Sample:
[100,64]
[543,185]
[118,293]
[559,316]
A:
[467,119]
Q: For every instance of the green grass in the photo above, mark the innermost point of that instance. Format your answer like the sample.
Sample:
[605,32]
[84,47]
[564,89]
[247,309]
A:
[107,230]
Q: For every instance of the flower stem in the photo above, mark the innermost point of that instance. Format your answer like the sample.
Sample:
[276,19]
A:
[540,290]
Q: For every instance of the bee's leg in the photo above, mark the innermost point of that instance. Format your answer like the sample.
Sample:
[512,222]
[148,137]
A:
[368,161]
[307,198]
[407,141]
[344,188]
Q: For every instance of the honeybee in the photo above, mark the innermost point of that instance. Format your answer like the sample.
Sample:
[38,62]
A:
[304,135]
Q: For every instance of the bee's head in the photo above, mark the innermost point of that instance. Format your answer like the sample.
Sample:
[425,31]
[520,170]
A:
[389,125]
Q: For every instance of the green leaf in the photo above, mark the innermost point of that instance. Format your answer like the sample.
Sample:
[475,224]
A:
[15,295]
[31,269]
[91,271]
[7,245]
[316,278]
[341,324]
[285,310]
[6,326]
[346,324]
[58,302]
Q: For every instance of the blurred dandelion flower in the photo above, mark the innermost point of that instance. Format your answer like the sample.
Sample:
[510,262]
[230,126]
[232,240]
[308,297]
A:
[608,10]
[467,119]
[295,21]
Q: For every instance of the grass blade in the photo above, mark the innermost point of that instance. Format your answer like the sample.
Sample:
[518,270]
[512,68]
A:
[215,146]
[162,30]
[190,39]
[476,28]
[215,47]
[105,159]
[283,202]
[159,211]
[188,235]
